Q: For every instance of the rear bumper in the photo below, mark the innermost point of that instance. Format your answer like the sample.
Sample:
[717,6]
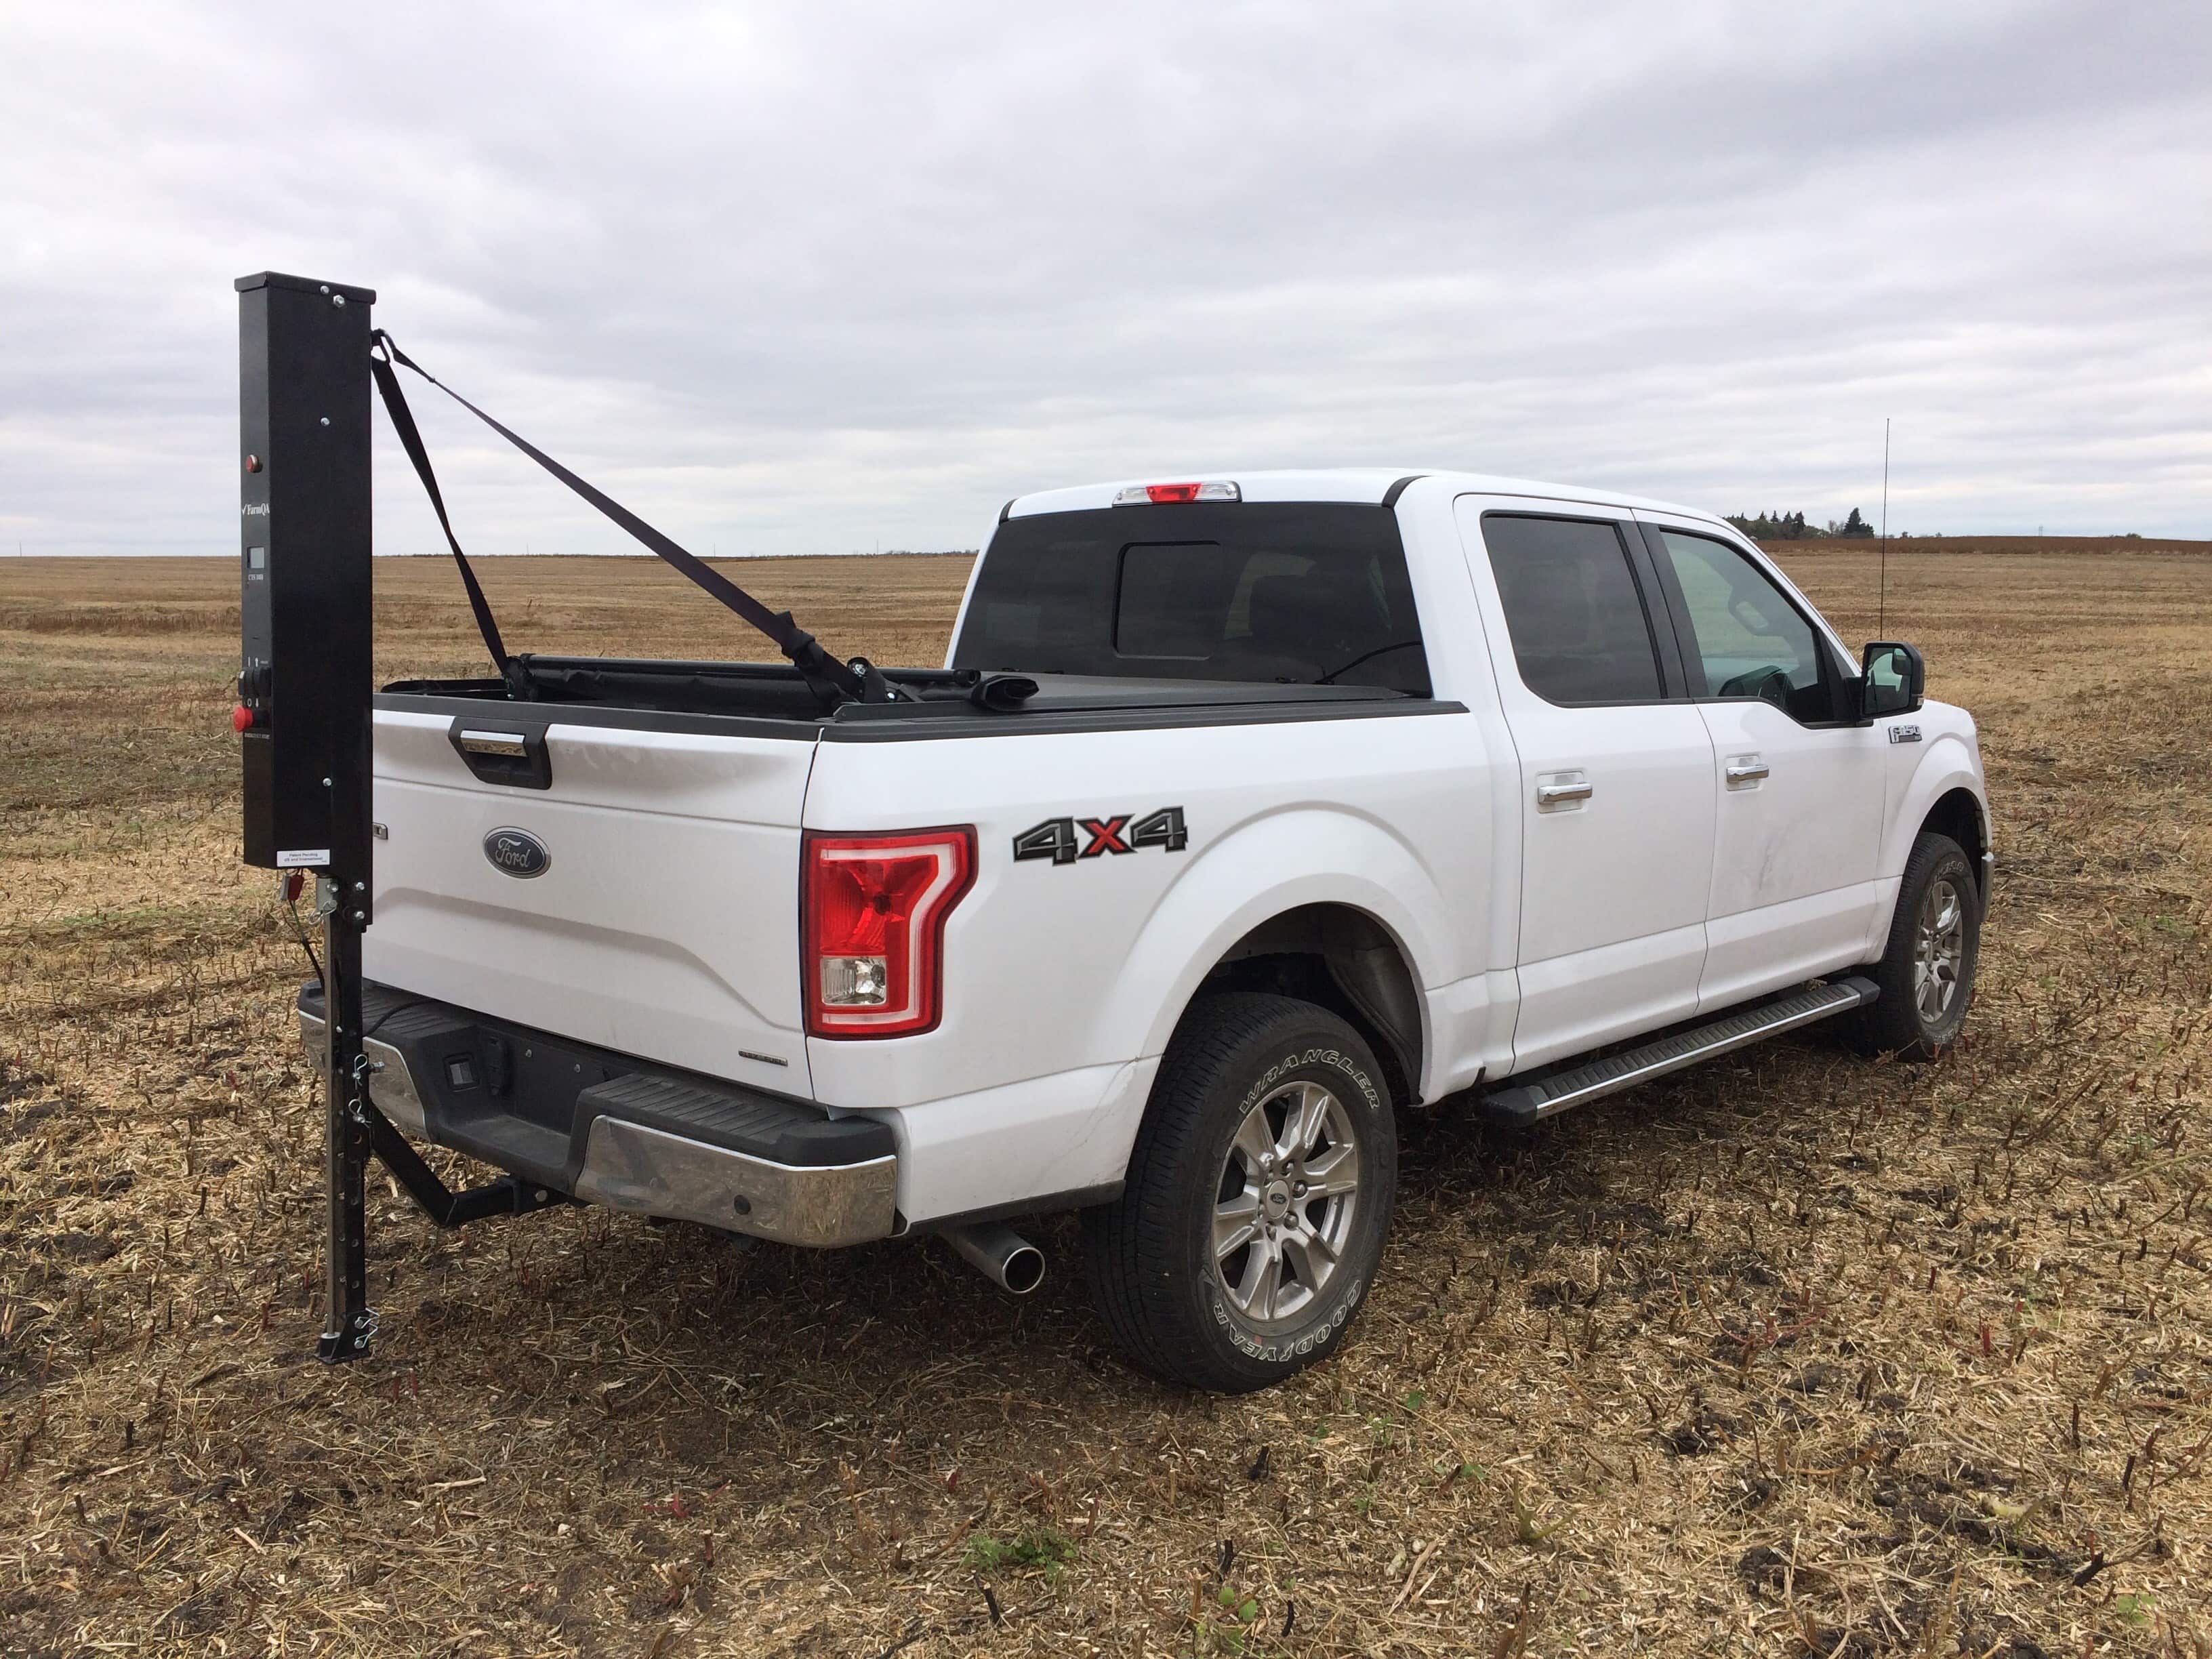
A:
[611,1130]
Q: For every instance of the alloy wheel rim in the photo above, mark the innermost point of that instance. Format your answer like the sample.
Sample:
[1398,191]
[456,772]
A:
[1284,1206]
[1939,950]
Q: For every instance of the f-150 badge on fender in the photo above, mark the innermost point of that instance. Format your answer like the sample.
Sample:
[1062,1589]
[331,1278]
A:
[1057,838]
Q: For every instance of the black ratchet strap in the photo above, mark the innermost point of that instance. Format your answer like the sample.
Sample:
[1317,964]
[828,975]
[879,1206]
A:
[411,439]
[819,668]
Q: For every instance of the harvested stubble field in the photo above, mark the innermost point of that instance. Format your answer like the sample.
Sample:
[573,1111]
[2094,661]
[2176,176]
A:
[1800,1353]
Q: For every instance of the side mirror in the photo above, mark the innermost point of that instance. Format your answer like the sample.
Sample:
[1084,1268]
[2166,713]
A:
[1894,680]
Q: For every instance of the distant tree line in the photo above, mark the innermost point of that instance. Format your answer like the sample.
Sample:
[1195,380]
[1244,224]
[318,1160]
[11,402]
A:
[1793,527]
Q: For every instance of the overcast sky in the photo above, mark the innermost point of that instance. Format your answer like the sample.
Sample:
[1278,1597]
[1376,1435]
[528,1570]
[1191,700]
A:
[817,278]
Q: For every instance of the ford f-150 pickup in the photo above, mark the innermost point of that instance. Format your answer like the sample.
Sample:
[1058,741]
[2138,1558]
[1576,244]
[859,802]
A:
[1246,813]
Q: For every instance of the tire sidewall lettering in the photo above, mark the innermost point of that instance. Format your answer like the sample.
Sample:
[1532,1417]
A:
[1272,1078]
[1282,1352]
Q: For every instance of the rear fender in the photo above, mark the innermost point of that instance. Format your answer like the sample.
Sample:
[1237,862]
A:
[1259,871]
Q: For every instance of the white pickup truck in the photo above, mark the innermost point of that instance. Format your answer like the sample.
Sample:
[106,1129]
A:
[1245,813]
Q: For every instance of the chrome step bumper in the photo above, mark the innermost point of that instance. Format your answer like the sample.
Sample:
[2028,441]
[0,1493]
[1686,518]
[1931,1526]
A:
[1528,1103]
[649,1171]
[621,1134]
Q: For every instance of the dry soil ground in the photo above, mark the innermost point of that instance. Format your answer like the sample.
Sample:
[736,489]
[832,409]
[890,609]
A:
[1799,1353]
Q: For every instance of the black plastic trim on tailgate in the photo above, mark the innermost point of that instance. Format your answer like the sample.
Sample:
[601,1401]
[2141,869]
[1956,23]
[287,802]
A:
[626,719]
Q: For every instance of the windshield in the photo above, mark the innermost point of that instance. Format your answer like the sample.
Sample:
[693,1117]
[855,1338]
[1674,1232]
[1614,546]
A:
[1304,593]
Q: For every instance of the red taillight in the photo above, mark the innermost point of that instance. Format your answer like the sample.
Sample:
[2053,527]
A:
[1184,492]
[872,928]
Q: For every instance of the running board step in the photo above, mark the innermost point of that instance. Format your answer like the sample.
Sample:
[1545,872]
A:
[1528,1103]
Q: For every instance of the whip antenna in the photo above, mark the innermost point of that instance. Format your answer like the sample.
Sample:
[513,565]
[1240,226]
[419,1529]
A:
[1881,586]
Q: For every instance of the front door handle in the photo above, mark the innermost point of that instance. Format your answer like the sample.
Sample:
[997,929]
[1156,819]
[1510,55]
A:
[1745,770]
[1561,791]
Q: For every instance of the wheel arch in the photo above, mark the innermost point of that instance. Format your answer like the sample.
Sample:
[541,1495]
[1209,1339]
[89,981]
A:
[1958,812]
[1327,894]
[1343,959]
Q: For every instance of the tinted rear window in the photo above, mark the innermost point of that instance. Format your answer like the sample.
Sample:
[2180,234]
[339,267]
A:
[1571,604]
[1275,591]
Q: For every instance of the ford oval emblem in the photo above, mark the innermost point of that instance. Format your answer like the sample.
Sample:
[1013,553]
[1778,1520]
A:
[517,853]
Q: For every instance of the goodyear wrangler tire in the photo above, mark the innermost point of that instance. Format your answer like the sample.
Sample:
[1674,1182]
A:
[1258,1197]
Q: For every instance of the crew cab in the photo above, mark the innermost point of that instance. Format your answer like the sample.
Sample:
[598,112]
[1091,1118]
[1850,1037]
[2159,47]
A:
[1245,813]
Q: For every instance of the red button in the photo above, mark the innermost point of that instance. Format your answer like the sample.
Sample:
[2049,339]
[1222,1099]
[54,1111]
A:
[241,718]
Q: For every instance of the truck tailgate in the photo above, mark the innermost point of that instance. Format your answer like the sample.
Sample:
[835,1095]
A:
[664,921]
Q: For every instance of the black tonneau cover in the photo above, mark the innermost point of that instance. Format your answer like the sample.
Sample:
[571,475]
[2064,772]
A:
[764,699]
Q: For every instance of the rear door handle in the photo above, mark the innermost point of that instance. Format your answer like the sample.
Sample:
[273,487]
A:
[1745,771]
[1562,789]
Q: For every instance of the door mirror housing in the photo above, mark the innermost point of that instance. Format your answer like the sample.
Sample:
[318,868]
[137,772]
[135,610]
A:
[1893,681]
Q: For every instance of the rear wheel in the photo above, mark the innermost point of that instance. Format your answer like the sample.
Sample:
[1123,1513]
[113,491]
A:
[1927,973]
[1258,1197]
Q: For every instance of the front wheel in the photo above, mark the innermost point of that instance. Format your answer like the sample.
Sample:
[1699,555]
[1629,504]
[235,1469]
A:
[1258,1197]
[1927,973]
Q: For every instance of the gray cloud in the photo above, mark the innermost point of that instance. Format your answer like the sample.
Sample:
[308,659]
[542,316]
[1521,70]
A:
[806,280]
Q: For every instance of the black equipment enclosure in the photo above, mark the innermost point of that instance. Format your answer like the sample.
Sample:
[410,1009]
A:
[304,543]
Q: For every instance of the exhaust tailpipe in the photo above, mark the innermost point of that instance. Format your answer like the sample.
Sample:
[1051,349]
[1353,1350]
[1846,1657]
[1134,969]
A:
[1000,1254]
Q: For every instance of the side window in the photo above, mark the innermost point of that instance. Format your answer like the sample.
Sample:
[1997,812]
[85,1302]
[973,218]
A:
[1751,640]
[1580,631]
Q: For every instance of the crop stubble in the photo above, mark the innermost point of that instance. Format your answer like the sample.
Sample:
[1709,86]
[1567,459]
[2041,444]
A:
[1797,1353]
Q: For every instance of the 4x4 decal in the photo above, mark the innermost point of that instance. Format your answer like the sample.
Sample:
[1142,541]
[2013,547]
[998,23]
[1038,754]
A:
[1057,838]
